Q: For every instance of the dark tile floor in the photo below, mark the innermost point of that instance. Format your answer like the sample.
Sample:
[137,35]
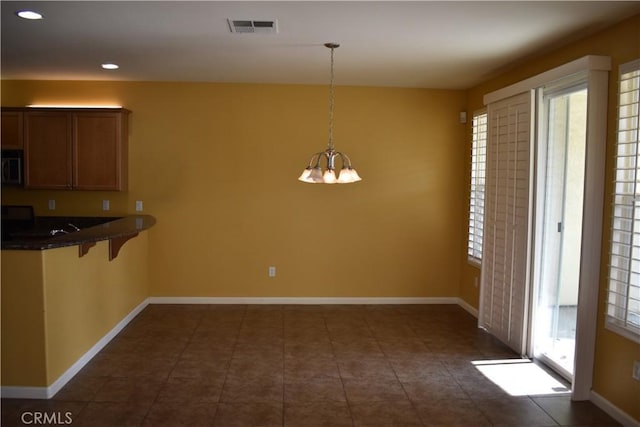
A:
[199,365]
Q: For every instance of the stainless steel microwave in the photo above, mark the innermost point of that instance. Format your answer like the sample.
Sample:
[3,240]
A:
[11,167]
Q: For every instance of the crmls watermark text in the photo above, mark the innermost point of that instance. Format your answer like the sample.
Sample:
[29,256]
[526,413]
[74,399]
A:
[46,418]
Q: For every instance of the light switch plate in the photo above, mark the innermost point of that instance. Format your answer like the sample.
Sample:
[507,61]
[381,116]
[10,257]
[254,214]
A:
[52,205]
[139,206]
[105,205]
[272,271]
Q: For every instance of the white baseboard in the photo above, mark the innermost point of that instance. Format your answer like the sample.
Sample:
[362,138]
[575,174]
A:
[616,413]
[50,391]
[303,300]
[24,392]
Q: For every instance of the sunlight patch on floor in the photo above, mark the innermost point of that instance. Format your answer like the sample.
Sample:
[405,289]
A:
[520,377]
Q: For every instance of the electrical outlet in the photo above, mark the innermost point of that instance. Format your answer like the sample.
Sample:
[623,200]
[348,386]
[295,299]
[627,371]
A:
[272,271]
[636,370]
[139,206]
[105,205]
[52,205]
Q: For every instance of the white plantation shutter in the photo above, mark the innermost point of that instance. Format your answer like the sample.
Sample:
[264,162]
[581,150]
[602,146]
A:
[506,220]
[623,296]
[476,202]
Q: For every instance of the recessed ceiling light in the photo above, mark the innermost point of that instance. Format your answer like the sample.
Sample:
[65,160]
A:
[29,14]
[110,66]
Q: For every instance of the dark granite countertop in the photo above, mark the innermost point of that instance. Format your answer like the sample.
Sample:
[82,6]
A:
[37,238]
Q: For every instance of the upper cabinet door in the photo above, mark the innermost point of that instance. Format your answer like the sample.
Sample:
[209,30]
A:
[11,130]
[76,149]
[99,151]
[47,150]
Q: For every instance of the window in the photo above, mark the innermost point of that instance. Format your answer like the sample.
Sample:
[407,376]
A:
[476,204]
[623,299]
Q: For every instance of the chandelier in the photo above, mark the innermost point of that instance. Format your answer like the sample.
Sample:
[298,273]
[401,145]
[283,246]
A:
[314,172]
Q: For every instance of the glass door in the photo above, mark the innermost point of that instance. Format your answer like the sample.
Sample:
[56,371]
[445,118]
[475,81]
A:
[560,191]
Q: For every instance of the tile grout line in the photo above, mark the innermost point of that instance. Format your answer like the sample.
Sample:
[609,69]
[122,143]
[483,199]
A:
[111,377]
[226,375]
[166,380]
[469,397]
[386,357]
[410,325]
[335,359]
[544,410]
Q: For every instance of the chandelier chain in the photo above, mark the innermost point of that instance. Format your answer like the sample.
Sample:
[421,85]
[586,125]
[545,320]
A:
[331,103]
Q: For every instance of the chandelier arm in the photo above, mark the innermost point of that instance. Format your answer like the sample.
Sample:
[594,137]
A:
[343,157]
[317,156]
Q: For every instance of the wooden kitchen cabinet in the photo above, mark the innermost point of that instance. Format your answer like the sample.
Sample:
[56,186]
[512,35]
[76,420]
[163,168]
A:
[100,151]
[47,150]
[79,149]
[11,133]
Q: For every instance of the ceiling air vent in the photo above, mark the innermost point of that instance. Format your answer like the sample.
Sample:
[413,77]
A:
[251,26]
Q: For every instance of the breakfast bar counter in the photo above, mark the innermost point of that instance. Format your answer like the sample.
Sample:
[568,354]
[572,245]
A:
[84,232]
[68,285]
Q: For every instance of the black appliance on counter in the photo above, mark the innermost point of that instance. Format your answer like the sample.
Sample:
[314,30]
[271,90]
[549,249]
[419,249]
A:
[15,219]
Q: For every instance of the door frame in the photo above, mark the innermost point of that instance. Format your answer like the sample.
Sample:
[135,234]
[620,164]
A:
[592,217]
[541,142]
[597,69]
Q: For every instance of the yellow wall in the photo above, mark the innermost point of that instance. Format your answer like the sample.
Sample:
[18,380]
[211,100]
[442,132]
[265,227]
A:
[23,325]
[56,306]
[86,297]
[217,165]
[614,354]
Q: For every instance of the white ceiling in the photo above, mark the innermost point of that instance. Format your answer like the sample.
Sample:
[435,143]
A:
[452,45]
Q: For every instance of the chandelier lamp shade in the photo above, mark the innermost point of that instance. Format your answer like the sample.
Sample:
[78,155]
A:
[322,166]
